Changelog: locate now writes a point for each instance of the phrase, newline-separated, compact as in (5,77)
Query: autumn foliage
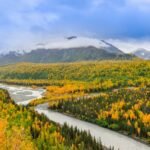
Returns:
(125,110)
(23,129)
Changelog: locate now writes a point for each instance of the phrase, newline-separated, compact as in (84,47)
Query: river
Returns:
(23,95)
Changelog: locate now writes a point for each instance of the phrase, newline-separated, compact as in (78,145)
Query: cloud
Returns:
(21,11)
(7,6)
(31,3)
(142,5)
(130,45)
(23,23)
(28,21)
(97,3)
(33,18)
(138,5)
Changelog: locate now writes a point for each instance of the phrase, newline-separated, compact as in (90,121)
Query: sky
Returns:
(124,23)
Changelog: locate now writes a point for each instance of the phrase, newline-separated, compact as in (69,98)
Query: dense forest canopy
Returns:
(118,72)
(125,110)
(22,128)
(112,94)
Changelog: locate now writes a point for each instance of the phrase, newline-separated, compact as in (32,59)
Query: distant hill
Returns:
(142,53)
(70,49)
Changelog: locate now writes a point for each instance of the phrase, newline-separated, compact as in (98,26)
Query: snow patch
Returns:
(143,54)
(62,43)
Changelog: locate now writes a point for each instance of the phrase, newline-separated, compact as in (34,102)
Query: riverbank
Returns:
(120,132)
(108,137)
(112,138)
(28,129)
(124,111)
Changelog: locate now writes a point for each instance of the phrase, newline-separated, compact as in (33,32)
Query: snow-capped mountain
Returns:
(67,49)
(142,53)
(73,42)
(77,42)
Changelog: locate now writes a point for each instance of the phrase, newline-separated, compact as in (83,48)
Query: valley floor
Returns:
(23,129)
(113,94)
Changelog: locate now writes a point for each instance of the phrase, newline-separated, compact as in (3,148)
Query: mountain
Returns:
(68,49)
(142,53)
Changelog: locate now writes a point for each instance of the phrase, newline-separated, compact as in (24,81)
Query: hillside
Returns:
(99,92)
(119,72)
(23,129)
(71,49)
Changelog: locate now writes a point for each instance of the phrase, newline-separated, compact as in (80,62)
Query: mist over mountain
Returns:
(142,53)
(70,49)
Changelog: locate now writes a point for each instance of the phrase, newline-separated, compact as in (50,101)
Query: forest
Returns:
(111,94)
(103,74)
(125,110)
(23,129)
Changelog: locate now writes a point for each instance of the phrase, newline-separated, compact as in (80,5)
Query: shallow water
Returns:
(108,137)
(23,95)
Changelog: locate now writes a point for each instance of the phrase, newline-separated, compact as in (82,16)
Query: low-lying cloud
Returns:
(130,45)
(26,22)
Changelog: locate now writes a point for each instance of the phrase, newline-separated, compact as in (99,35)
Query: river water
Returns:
(23,95)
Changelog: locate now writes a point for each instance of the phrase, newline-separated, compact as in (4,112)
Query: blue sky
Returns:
(24,22)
